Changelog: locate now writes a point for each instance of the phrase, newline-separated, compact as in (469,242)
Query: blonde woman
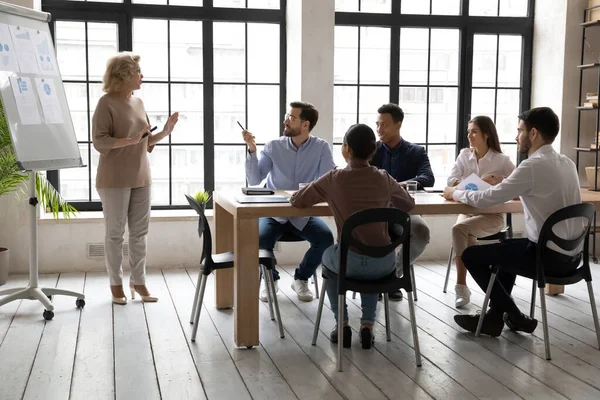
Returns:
(123,137)
(484,158)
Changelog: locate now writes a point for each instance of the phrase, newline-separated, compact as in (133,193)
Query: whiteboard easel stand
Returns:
(33,291)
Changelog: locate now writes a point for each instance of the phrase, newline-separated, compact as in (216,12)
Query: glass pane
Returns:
(484,60)
(506,114)
(514,8)
(229,3)
(414,48)
(443,67)
(265,4)
(188,100)
(230,172)
(95,94)
(344,110)
(159,163)
(346,5)
(230,107)
(375,55)
(414,7)
(195,3)
(345,53)
(76,94)
(263,53)
(338,159)
(509,61)
(443,114)
(369,100)
(186,51)
(413,101)
(156,101)
(264,120)
(70,49)
(187,172)
(102,44)
(442,160)
(150,42)
(376,6)
(74,182)
(229,52)
(482,102)
(445,7)
(147,1)
(511,151)
(487,8)
(94,170)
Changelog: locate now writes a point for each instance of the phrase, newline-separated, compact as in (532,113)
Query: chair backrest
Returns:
(369,216)
(203,230)
(583,210)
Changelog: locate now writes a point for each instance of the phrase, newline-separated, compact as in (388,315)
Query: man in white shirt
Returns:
(545,182)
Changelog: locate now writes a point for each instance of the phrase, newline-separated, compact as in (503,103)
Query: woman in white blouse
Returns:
(484,158)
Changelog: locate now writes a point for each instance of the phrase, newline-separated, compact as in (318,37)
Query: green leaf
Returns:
(202,197)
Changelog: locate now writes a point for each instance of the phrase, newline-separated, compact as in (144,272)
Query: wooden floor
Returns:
(142,351)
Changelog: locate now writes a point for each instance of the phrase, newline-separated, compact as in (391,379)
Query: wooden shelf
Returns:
(587,149)
(590,23)
(588,66)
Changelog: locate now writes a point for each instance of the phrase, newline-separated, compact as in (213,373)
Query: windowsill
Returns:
(96,216)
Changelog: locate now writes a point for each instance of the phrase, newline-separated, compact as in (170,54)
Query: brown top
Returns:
(126,167)
(357,187)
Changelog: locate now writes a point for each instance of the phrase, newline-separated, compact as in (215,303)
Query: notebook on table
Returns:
(261,199)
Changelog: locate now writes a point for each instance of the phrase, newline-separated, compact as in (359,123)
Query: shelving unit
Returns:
(584,111)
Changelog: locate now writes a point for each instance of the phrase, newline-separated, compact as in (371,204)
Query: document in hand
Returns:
(473,182)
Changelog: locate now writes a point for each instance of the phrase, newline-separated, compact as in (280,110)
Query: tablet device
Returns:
(250,191)
(262,199)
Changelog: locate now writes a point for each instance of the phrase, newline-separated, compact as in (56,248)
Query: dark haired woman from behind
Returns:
(357,187)
(484,158)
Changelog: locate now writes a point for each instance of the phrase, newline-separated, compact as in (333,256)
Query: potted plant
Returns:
(11,180)
(202,197)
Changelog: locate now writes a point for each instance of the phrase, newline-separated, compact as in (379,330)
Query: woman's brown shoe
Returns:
(118,294)
(142,290)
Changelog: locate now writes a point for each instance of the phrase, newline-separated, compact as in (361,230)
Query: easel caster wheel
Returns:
(80,303)
(249,347)
(48,315)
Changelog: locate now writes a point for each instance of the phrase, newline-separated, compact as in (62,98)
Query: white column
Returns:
(310,27)
(556,54)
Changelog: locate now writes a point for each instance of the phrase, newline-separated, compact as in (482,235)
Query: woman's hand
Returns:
(492,179)
(138,138)
(170,124)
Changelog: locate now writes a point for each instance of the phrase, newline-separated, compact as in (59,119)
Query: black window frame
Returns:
(468,27)
(123,15)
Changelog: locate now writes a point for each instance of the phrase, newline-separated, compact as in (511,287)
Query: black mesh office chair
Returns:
(583,272)
(385,285)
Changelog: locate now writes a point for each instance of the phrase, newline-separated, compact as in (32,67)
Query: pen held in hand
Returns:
(147,133)
(238,122)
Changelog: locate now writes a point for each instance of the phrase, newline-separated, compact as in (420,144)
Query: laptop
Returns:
(262,199)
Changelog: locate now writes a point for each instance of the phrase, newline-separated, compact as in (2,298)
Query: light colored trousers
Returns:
(419,238)
(469,227)
(129,206)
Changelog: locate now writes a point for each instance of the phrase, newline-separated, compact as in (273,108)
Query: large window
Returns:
(217,62)
(442,61)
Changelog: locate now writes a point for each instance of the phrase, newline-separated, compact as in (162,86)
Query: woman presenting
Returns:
(123,137)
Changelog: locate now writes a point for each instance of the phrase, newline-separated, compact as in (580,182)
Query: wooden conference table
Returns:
(236,229)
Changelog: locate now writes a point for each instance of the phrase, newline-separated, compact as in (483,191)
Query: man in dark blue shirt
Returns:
(404,161)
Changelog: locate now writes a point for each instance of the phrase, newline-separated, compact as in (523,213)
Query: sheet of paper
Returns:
(8,55)
(44,52)
(25,48)
(473,182)
(50,104)
(25,99)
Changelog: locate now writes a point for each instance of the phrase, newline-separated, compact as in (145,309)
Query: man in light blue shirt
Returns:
(294,158)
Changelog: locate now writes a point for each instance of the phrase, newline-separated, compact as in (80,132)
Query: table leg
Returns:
(246,282)
(223,221)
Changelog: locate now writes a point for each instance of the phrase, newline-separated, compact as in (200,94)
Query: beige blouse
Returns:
(125,167)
